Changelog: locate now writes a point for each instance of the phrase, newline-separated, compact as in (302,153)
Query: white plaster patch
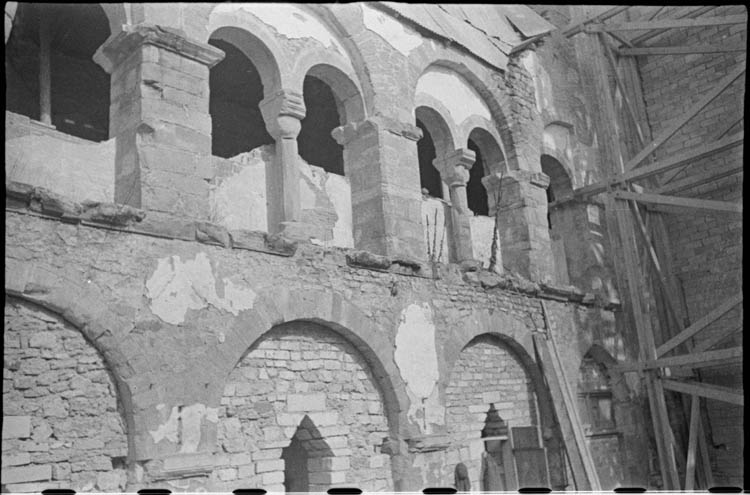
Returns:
(339,192)
(482,229)
(239,201)
(416,358)
(287,20)
(169,429)
(177,286)
(184,424)
(460,99)
(393,32)
(434,212)
(542,82)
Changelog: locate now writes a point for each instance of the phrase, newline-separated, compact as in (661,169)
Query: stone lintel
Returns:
(132,37)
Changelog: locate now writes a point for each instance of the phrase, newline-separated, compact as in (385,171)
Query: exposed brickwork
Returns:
(53,376)
(706,249)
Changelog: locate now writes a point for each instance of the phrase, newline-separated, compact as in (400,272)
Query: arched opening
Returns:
(560,218)
(50,74)
(316,145)
(308,460)
(429,177)
(491,399)
(236,91)
(476,194)
(59,392)
(597,405)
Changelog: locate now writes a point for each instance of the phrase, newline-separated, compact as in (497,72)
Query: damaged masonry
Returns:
(379,245)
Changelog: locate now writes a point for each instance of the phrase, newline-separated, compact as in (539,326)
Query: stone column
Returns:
(10,14)
(380,159)
(523,221)
(454,170)
(159,117)
(283,113)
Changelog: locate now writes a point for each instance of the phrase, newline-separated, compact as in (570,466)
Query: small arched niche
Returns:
(307,460)
(50,74)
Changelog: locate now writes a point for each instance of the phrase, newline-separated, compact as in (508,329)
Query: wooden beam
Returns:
(684,118)
(690,15)
(698,326)
(572,28)
(709,391)
(679,202)
(620,85)
(668,24)
(663,165)
(711,341)
(692,441)
(695,182)
(692,360)
(679,50)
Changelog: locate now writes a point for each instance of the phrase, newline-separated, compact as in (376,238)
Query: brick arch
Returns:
(456,63)
(336,71)
(83,307)
(332,311)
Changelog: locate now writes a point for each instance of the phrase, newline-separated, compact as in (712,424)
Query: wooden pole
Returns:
(45,72)
(693,438)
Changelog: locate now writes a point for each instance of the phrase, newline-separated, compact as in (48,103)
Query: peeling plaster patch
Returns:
(320,189)
(393,32)
(177,286)
(167,429)
(288,20)
(339,192)
(416,358)
(192,417)
(460,99)
(239,201)
(542,82)
(482,231)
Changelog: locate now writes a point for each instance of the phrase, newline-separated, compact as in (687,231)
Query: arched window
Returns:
(236,90)
(50,74)
(560,219)
(476,194)
(429,177)
(316,145)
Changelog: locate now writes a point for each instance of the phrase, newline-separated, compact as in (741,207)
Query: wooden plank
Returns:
(680,202)
(572,440)
(531,465)
(689,184)
(573,28)
(692,360)
(628,105)
(709,391)
(690,15)
(692,441)
(664,165)
(698,325)
(668,24)
(708,343)
(684,118)
(679,50)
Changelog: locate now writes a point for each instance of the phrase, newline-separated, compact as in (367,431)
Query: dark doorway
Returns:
(316,145)
(236,92)
(296,476)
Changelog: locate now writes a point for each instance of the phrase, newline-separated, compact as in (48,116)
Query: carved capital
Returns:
(132,37)
(454,167)
(283,113)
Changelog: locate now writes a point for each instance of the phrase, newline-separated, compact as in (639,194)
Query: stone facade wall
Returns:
(62,424)
(706,249)
(295,371)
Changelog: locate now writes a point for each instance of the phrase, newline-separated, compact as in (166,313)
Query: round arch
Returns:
(264,56)
(83,308)
(433,116)
(336,71)
(335,313)
(451,61)
(494,158)
(116,15)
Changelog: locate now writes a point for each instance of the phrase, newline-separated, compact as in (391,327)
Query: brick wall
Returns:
(297,370)
(61,424)
(706,249)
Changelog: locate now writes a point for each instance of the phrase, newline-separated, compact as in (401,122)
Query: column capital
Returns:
(454,167)
(345,133)
(132,37)
(283,112)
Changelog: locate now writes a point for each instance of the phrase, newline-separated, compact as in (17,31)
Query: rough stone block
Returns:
(16,459)
(32,487)
(306,402)
(273,478)
(269,465)
(16,427)
(26,474)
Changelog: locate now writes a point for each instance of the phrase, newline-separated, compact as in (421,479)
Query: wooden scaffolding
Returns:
(634,203)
